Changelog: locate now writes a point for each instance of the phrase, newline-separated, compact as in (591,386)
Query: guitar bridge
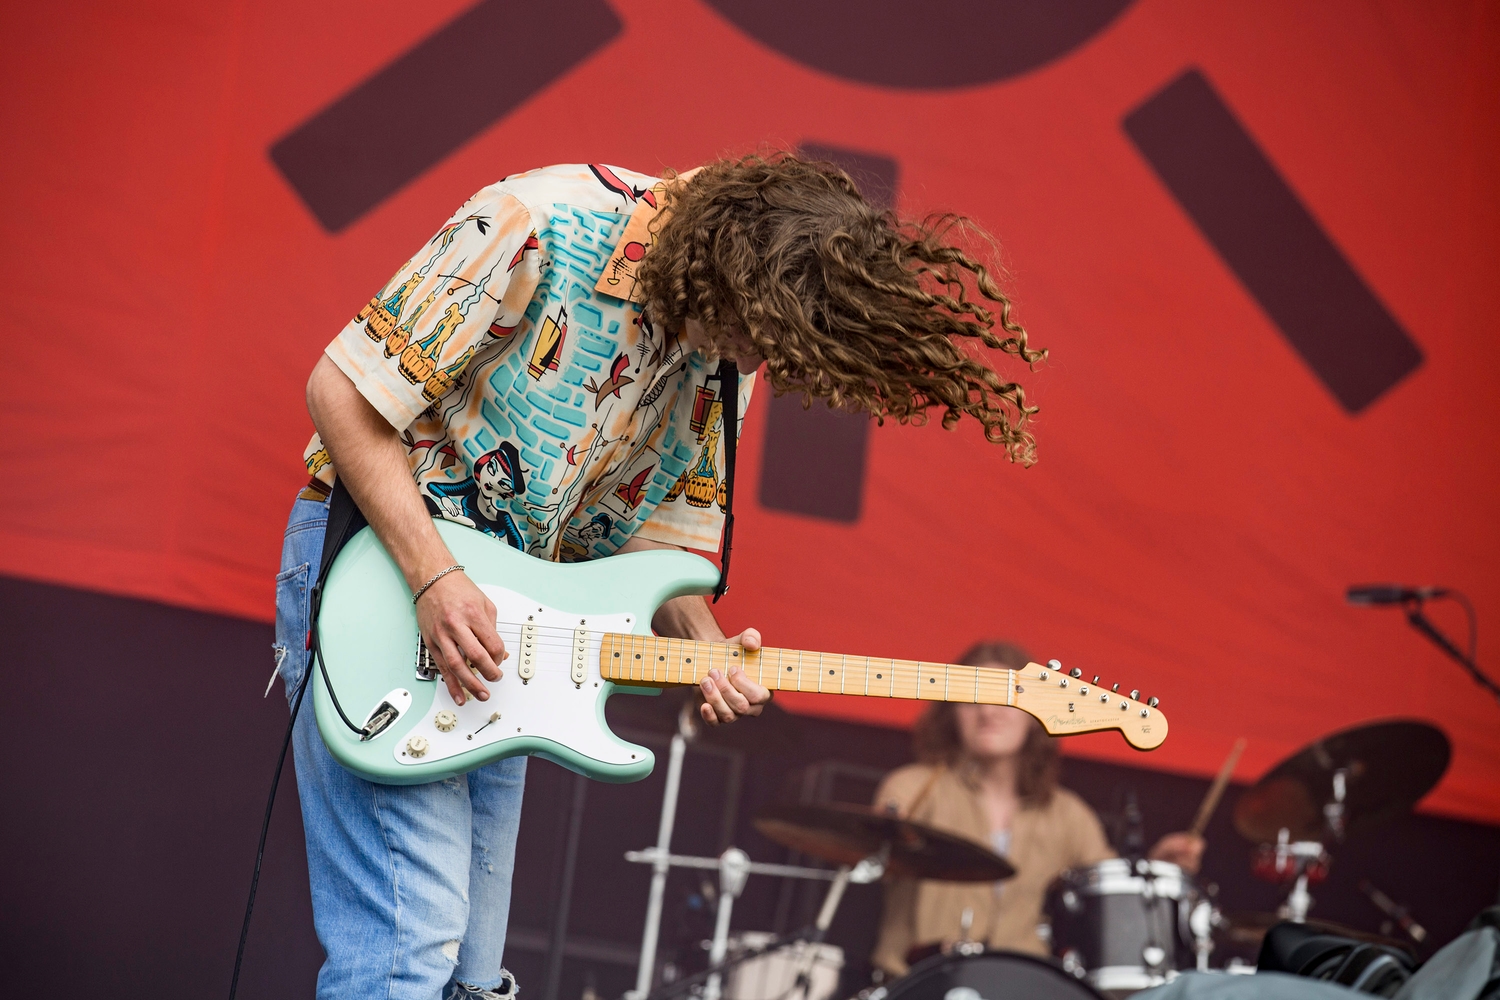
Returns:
(426,669)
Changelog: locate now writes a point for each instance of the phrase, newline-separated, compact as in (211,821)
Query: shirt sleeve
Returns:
(692,515)
(412,341)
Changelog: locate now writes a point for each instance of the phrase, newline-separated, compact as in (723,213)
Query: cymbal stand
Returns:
(660,863)
(870,869)
(1299,856)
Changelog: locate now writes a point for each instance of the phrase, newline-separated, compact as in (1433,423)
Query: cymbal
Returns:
(845,834)
(1389,767)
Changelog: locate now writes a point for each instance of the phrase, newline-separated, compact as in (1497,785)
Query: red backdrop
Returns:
(1201,499)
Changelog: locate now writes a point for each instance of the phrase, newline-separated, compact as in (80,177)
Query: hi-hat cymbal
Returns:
(1388,767)
(844,834)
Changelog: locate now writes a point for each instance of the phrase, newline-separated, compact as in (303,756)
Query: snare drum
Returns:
(989,975)
(1123,926)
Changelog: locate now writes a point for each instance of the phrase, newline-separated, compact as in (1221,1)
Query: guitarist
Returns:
(563,326)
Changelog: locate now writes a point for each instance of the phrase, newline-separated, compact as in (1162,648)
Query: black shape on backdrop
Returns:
(1261,229)
(432,99)
(934,44)
(814,460)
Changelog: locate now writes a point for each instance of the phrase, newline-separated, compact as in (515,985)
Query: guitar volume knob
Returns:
(445,721)
(416,746)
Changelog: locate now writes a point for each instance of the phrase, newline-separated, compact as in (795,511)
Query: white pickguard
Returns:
(549,706)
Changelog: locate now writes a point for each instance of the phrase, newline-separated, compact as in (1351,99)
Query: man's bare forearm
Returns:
(371,461)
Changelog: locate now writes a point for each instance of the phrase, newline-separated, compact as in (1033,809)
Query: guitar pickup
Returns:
(580,652)
(526,669)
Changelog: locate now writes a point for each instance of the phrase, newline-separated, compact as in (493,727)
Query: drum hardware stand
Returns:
(1297,856)
(735,868)
(659,859)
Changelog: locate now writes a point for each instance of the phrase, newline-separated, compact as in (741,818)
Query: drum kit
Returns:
(1130,923)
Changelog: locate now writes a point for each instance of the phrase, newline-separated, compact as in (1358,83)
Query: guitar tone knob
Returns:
(445,721)
(416,746)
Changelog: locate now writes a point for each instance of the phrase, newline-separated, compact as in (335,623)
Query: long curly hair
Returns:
(936,740)
(847,303)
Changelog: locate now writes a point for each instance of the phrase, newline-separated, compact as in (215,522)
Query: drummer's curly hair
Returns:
(936,739)
(847,303)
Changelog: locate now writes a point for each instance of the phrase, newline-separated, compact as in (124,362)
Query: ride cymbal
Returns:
(1387,767)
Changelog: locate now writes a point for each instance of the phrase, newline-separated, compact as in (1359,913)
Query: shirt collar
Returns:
(619,277)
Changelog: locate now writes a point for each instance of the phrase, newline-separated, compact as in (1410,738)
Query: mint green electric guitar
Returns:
(579,632)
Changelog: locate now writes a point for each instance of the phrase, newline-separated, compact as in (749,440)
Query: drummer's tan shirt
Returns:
(1045,840)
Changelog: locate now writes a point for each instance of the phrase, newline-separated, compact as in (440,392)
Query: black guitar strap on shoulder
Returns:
(728,377)
(344,520)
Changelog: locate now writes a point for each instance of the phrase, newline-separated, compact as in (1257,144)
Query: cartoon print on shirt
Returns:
(549,344)
(398,340)
(702,485)
(531,244)
(445,236)
(383,312)
(498,477)
(629,192)
(439,452)
(617,381)
(419,362)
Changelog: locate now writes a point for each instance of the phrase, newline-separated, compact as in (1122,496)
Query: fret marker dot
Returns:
(637,656)
(617,656)
(661,657)
(878,676)
(690,659)
(830,673)
(788,669)
(932,680)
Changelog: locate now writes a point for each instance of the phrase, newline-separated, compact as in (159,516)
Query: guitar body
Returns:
(552,617)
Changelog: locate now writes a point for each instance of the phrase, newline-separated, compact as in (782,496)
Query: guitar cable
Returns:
(265,828)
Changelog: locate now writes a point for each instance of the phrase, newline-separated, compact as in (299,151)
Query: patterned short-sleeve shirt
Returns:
(535,400)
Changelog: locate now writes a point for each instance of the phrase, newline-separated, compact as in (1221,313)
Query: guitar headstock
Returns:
(1065,702)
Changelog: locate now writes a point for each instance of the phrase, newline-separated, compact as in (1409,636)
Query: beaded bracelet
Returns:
(423,589)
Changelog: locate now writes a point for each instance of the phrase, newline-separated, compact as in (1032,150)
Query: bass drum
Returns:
(989,975)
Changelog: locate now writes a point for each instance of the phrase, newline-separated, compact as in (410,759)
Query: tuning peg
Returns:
(1152,701)
(1055,664)
(1096,678)
(1135,694)
(1116,689)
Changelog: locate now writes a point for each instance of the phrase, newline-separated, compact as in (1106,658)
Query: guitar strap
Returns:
(728,377)
(344,522)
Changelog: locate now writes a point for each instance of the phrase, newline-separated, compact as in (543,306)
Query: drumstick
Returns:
(1216,790)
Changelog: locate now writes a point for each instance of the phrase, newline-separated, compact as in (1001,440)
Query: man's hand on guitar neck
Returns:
(456,620)
(726,697)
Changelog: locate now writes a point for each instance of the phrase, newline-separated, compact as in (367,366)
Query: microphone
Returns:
(1371,594)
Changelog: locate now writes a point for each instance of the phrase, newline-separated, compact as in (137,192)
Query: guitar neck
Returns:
(657,661)
(1064,702)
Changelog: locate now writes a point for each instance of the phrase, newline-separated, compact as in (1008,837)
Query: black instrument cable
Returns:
(344,520)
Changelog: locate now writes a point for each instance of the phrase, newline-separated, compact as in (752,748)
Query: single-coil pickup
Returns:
(527,668)
(580,651)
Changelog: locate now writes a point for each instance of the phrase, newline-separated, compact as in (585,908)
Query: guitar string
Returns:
(559,637)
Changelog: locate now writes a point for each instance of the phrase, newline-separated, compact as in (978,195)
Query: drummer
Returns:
(989,773)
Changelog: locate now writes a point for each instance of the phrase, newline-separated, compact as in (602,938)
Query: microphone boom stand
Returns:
(1413,609)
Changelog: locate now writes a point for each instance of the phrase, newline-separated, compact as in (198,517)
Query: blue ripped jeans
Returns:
(410,883)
